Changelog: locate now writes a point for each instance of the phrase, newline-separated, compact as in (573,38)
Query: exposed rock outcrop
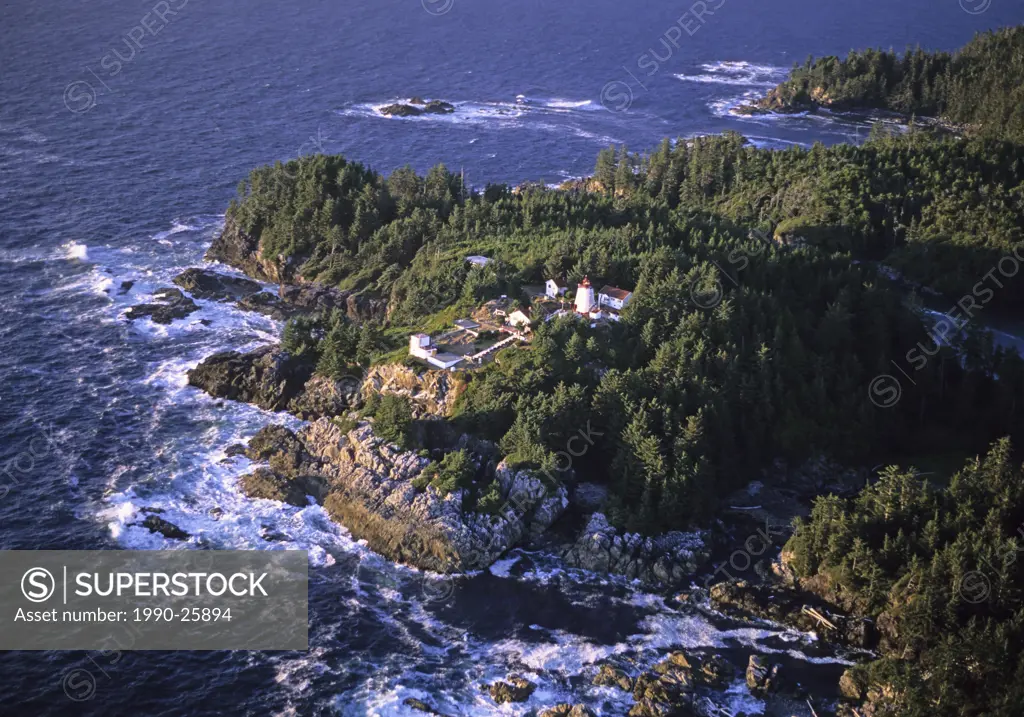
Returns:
(206,284)
(668,690)
(567,710)
(516,689)
(236,248)
(666,560)
(241,250)
(156,524)
(268,377)
(762,677)
(323,396)
(265,483)
(610,676)
(274,380)
(791,607)
(171,304)
(310,297)
(416,107)
(432,392)
(366,484)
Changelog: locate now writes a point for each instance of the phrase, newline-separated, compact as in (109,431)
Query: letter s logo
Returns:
(37,584)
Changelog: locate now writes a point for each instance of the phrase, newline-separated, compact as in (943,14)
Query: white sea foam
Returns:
(502,568)
(553,115)
(744,74)
(74,250)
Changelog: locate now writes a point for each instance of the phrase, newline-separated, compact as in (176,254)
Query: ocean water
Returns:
(124,129)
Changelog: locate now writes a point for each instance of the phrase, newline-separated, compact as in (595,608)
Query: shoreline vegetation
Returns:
(743,374)
(975,90)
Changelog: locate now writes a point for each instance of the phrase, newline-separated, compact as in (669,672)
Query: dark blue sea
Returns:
(125,128)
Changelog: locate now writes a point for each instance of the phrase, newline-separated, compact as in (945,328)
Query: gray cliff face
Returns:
(366,485)
(268,377)
(236,248)
(431,392)
(272,379)
(666,560)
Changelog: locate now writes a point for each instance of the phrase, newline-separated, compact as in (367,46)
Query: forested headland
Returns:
(693,399)
(771,290)
(979,88)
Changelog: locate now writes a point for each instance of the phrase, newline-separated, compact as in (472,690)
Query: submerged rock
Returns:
(516,689)
(422,706)
(666,560)
(236,449)
(171,304)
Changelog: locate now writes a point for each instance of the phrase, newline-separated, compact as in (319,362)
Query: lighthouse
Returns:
(584,297)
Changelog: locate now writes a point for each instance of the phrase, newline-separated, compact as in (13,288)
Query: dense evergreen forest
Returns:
(693,397)
(938,570)
(771,289)
(981,86)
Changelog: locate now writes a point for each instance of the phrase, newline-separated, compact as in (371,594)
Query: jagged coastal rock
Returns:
(669,688)
(267,377)
(794,608)
(431,392)
(515,689)
(416,106)
(325,396)
(567,710)
(206,284)
(171,304)
(666,560)
(236,248)
(274,380)
(310,297)
(366,484)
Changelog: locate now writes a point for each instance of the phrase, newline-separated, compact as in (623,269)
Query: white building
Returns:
(520,319)
(420,347)
(585,303)
(553,290)
(612,300)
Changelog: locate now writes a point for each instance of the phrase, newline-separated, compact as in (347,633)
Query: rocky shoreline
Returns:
(775,103)
(370,486)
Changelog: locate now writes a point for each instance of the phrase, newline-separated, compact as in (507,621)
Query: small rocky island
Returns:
(416,106)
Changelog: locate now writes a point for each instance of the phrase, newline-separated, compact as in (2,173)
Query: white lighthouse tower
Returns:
(584,297)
